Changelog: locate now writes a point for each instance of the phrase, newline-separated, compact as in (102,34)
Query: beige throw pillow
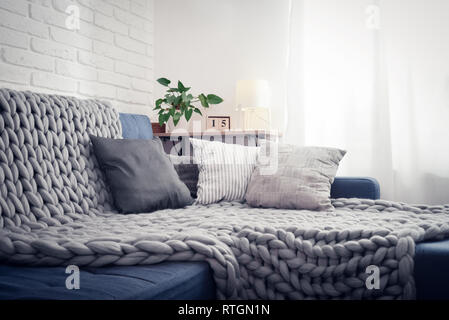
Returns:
(298,177)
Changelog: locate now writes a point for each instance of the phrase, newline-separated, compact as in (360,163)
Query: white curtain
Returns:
(372,77)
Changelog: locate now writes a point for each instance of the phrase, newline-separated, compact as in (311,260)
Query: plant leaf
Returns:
(171,99)
(177,101)
(184,97)
(164,81)
(213,99)
(203,100)
(188,114)
(176,118)
(197,111)
(182,88)
(158,104)
(161,119)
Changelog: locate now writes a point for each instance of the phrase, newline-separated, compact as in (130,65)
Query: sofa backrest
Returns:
(48,172)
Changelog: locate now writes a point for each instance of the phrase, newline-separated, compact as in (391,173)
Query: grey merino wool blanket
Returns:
(55,210)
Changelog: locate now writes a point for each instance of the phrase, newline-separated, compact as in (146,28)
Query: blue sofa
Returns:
(192,280)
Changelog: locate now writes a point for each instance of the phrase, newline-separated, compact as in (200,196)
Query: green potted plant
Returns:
(178,103)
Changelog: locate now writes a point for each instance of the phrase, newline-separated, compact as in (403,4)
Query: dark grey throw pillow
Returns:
(140,175)
(187,171)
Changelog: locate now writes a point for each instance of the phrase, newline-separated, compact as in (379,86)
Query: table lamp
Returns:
(253,103)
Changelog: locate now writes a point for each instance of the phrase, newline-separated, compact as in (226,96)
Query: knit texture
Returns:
(48,172)
(55,211)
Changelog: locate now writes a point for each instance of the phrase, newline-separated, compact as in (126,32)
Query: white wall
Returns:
(211,44)
(110,57)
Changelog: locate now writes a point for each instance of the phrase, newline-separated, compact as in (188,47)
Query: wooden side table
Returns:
(179,143)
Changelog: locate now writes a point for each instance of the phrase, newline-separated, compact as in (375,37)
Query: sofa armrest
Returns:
(364,188)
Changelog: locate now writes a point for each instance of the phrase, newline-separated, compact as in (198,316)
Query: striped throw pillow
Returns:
(224,170)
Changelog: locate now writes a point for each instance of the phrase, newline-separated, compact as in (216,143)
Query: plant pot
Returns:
(182,124)
(157,128)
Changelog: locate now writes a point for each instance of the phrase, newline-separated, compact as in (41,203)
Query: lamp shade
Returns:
(253,94)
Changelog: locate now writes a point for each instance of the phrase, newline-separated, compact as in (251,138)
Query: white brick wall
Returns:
(110,57)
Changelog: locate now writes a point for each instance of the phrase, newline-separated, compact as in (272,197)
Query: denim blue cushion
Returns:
(364,188)
(431,270)
(168,280)
(136,126)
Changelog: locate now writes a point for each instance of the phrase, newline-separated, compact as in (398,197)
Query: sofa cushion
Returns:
(187,171)
(302,178)
(166,281)
(355,187)
(136,126)
(224,170)
(140,175)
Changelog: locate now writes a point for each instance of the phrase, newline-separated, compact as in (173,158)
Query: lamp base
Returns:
(256,119)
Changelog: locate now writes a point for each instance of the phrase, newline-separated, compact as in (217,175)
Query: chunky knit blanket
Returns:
(55,209)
